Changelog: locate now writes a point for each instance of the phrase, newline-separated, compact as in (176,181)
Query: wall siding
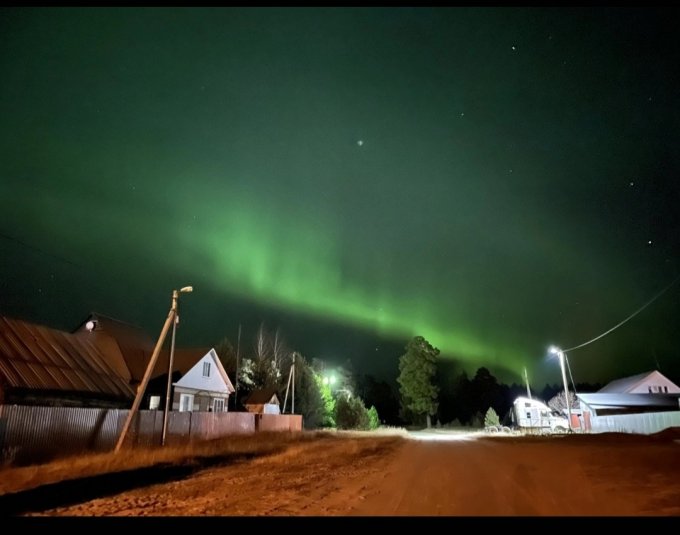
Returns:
(30,434)
(646,423)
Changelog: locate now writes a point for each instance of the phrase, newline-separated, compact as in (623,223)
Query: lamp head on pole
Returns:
(187,289)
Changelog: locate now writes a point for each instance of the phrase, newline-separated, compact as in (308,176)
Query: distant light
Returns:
(90,325)
(187,289)
(332,379)
(360,142)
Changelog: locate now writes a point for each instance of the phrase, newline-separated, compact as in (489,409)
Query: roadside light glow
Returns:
(325,380)
(332,379)
(90,325)
(554,350)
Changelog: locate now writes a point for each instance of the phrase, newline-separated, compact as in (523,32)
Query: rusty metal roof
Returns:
(115,337)
(40,358)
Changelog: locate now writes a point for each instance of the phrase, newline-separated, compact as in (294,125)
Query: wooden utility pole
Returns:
(171,319)
(147,375)
(291,378)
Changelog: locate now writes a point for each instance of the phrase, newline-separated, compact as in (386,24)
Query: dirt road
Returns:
(427,474)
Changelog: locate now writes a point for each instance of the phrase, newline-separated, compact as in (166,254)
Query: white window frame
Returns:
(217,401)
(183,398)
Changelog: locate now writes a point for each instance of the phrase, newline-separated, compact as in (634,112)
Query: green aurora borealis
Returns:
(490,179)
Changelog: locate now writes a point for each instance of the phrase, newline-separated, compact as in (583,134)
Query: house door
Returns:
(186,402)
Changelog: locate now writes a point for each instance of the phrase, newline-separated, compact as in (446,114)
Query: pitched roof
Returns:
(117,337)
(627,384)
(41,358)
(261,396)
(133,343)
(188,379)
(182,361)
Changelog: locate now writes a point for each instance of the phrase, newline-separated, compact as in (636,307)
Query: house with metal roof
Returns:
(44,366)
(602,404)
(644,403)
(653,382)
(115,337)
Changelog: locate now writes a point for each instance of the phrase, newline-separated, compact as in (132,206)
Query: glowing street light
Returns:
(557,351)
(329,380)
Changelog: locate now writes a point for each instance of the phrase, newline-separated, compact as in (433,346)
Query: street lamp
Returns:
(329,380)
(175,299)
(557,351)
(172,318)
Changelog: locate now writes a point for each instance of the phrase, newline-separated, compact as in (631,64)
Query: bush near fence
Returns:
(31,434)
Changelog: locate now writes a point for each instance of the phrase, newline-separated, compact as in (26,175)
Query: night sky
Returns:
(497,180)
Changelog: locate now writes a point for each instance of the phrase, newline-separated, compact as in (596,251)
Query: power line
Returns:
(627,319)
(37,249)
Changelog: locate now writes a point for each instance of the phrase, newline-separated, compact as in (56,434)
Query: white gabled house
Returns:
(653,382)
(204,388)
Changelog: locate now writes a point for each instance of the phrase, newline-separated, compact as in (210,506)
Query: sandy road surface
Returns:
(581,475)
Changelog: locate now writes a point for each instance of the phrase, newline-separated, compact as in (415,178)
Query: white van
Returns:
(536,415)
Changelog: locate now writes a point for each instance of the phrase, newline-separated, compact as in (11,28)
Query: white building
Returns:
(205,387)
(644,383)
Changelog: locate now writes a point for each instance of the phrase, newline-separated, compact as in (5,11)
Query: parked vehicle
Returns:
(532,414)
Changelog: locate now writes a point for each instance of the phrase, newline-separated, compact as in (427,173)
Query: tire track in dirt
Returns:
(296,481)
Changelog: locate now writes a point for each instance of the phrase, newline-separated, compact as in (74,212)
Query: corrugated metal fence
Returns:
(37,434)
(646,423)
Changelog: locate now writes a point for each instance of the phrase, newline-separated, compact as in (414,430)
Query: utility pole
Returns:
(238,350)
(172,315)
(293,400)
(166,409)
(147,375)
(566,392)
(291,376)
(526,380)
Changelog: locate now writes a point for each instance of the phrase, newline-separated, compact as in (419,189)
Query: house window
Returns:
(206,369)
(529,415)
(665,390)
(650,389)
(218,405)
(186,402)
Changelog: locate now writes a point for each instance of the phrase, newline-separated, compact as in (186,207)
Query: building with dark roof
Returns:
(44,366)
(263,401)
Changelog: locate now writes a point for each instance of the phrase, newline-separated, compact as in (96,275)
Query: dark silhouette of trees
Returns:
(381,395)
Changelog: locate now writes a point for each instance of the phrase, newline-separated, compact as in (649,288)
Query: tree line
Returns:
(429,390)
